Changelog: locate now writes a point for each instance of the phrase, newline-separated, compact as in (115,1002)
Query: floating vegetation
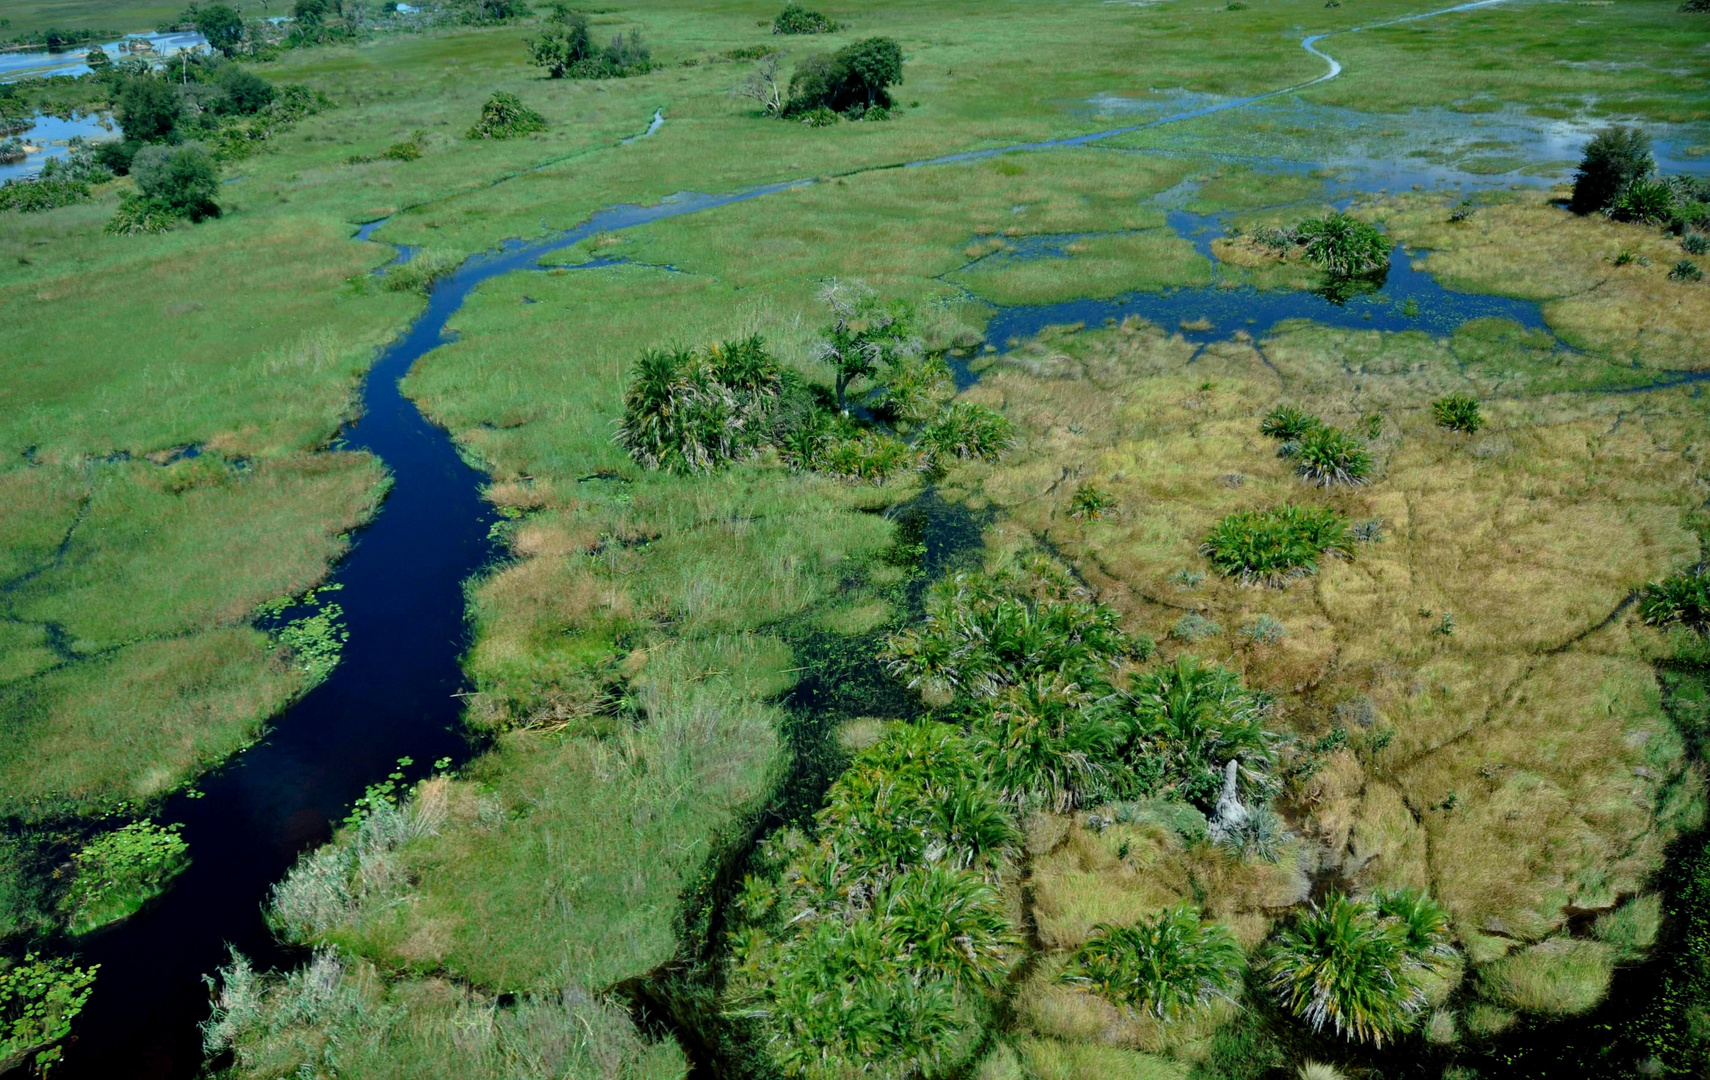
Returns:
(316,641)
(119,872)
(39,998)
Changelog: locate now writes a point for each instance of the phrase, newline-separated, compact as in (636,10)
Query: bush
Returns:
(695,410)
(1695,243)
(1275,546)
(35,196)
(1343,246)
(1042,747)
(1696,5)
(966,431)
(246,93)
(864,454)
(180,180)
(1613,160)
(148,109)
(39,998)
(820,117)
(795,19)
(118,872)
(504,116)
(1681,598)
(564,43)
(1287,423)
(1686,270)
(1168,966)
(1354,967)
(1327,455)
(855,78)
(138,214)
(1458,412)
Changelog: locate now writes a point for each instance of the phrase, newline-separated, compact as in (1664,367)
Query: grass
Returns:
(1560,977)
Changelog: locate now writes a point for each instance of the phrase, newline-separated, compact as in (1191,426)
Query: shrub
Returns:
(985,632)
(1613,160)
(1042,747)
(1185,721)
(118,872)
(966,431)
(795,19)
(137,215)
(1287,423)
(693,411)
(1327,455)
(39,998)
(35,196)
(563,44)
(1168,966)
(1694,243)
(1369,532)
(865,334)
(504,116)
(820,117)
(181,180)
(1194,627)
(1644,199)
(1279,240)
(1458,412)
(1275,546)
(856,77)
(1348,967)
(1683,597)
(1686,270)
(409,150)
(1091,502)
(1343,246)
(1263,630)
(1696,5)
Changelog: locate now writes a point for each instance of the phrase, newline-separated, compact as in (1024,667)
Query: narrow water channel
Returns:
(393,694)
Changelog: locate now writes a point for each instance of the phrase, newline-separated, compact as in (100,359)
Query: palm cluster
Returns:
(1343,246)
(692,410)
(1274,546)
(1683,597)
(1355,966)
(1322,454)
(1170,965)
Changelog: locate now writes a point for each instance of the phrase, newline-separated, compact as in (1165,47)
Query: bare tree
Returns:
(763,84)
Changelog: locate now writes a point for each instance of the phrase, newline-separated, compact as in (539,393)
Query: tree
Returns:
(564,42)
(871,66)
(312,13)
(762,85)
(246,92)
(148,109)
(863,334)
(222,26)
(181,179)
(1614,159)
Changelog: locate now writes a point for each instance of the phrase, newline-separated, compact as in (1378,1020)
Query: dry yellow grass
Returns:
(1529,767)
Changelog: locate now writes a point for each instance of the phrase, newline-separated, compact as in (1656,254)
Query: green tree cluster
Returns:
(854,81)
(565,50)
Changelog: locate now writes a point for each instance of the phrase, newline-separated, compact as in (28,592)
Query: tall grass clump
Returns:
(1682,598)
(1170,965)
(1328,455)
(1273,547)
(1458,412)
(1355,967)
(693,410)
(504,116)
(421,271)
(1343,246)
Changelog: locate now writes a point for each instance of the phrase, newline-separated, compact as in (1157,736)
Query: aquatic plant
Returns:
(1184,723)
(1287,423)
(1169,965)
(118,872)
(1327,455)
(1681,598)
(1458,412)
(1347,967)
(795,19)
(985,632)
(504,116)
(1343,246)
(1614,159)
(39,998)
(1275,546)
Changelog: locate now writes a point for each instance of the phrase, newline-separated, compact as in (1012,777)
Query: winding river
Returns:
(394,693)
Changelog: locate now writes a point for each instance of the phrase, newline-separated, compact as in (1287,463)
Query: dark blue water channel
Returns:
(392,695)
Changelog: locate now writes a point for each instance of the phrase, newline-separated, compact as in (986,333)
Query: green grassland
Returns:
(631,659)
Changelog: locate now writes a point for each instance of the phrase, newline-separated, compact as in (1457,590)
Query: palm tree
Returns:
(1196,718)
(1169,965)
(1041,744)
(1347,967)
